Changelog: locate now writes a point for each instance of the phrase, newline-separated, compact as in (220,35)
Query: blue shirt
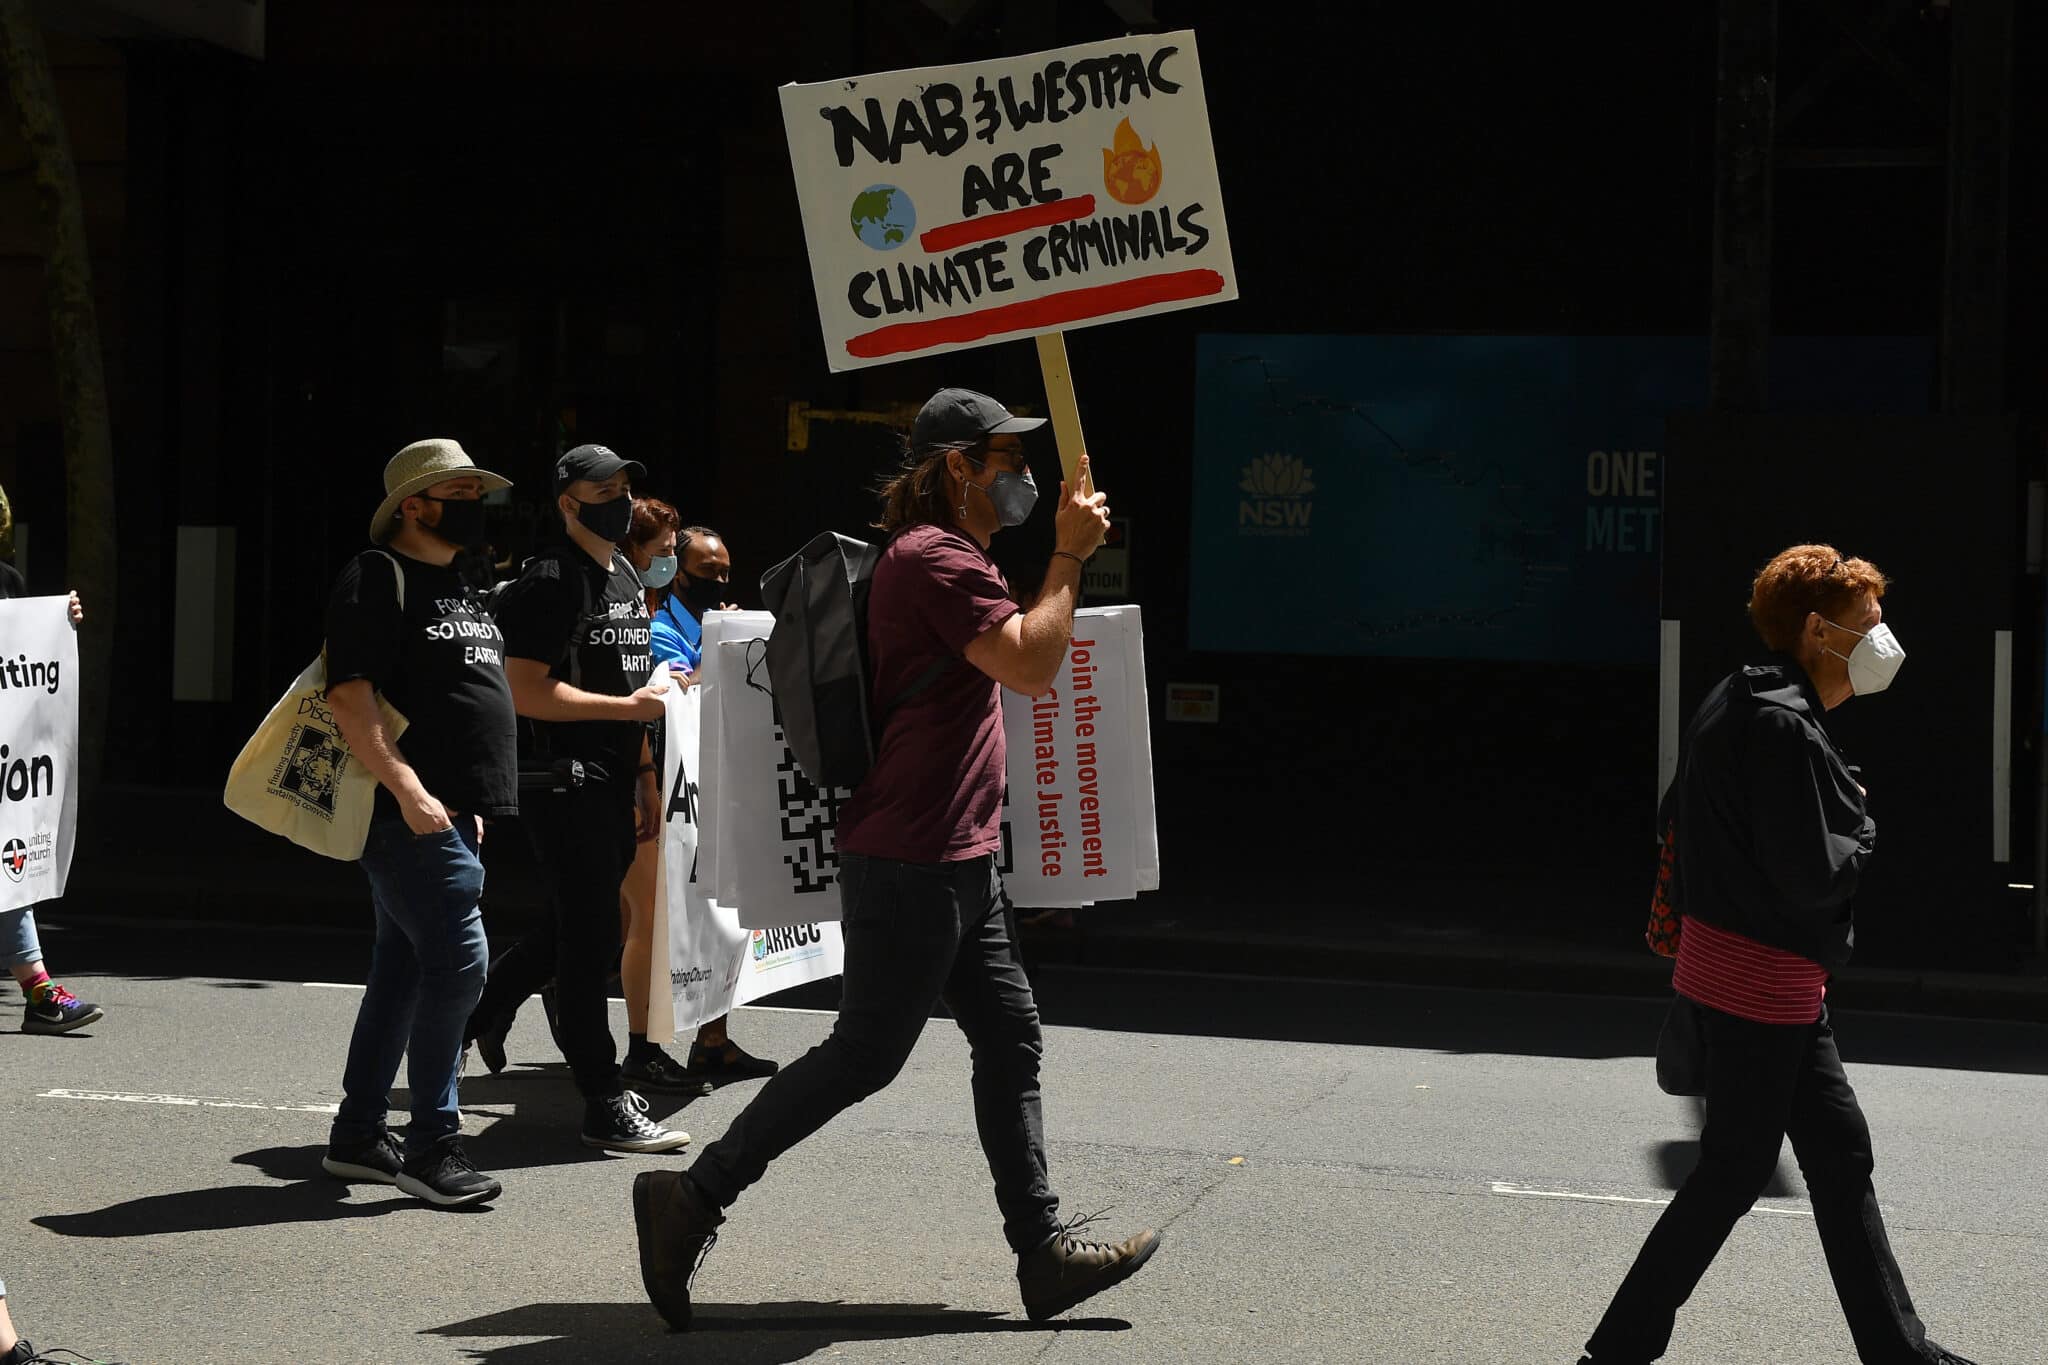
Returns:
(678,636)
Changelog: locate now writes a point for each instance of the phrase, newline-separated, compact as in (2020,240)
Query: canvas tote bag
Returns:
(296,776)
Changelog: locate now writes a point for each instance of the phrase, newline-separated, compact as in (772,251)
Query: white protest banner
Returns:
(714,963)
(38,749)
(1080,814)
(777,834)
(718,627)
(779,862)
(949,207)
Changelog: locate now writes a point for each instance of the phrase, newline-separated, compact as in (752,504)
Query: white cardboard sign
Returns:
(38,749)
(954,206)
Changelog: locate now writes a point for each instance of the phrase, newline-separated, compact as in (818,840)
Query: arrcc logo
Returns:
(14,859)
(1275,497)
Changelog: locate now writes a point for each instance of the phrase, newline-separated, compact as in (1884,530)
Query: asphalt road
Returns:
(1343,1173)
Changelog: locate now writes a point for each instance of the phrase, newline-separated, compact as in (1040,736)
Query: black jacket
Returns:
(1772,831)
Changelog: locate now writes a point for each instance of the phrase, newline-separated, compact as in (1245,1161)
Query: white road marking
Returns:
(185,1101)
(1504,1187)
(334,985)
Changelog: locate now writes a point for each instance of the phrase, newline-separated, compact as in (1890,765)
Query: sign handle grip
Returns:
(1060,401)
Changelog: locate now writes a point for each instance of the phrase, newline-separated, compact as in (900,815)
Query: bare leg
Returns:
(636,920)
(25,972)
(7,1336)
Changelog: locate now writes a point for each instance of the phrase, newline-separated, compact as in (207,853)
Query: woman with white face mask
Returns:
(1772,836)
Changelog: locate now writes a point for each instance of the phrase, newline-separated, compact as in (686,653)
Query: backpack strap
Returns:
(397,576)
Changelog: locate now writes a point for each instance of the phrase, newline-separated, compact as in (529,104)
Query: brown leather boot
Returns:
(677,1227)
(1067,1270)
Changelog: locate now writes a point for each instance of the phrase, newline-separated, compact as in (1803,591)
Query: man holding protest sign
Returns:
(925,916)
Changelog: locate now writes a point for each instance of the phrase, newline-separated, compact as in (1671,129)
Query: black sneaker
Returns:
(443,1175)
(52,1009)
(677,1228)
(374,1161)
(620,1124)
(659,1073)
(728,1063)
(1067,1270)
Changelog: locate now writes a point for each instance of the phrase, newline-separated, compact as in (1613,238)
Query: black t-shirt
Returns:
(440,660)
(590,627)
(11,582)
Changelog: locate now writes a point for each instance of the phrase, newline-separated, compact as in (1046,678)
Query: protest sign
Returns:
(714,963)
(38,749)
(1079,811)
(949,207)
(776,833)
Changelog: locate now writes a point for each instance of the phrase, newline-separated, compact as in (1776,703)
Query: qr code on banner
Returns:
(809,815)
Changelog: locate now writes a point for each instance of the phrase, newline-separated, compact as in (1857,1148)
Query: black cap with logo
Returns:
(595,463)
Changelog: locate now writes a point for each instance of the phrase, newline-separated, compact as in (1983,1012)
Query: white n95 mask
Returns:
(1874,662)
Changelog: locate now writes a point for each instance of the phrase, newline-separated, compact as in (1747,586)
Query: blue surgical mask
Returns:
(660,572)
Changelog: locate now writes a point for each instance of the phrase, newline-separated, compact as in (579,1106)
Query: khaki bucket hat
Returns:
(419,467)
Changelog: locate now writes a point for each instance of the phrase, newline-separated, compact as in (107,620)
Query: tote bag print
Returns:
(296,777)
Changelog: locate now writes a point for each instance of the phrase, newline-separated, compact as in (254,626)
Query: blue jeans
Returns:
(426,971)
(18,943)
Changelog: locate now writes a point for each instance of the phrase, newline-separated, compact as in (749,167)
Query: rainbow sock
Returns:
(30,987)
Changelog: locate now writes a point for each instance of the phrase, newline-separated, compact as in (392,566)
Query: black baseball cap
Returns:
(595,463)
(960,417)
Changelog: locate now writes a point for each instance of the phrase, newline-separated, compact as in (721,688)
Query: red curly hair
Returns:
(1808,578)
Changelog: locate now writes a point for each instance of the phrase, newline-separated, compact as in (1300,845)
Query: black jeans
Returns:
(584,841)
(1765,1082)
(916,933)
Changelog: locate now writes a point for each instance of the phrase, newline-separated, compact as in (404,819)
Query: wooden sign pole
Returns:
(1066,413)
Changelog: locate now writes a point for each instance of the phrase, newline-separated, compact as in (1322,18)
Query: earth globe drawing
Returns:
(883,217)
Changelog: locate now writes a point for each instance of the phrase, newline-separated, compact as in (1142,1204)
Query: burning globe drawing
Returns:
(883,217)
(1130,170)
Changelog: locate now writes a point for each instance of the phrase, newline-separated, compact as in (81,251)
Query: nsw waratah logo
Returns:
(1274,496)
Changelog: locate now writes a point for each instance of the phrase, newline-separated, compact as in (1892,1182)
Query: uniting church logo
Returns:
(1274,496)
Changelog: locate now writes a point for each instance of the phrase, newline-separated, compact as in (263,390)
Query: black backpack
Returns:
(817,658)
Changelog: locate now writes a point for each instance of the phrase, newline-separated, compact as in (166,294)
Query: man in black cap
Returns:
(578,656)
(925,916)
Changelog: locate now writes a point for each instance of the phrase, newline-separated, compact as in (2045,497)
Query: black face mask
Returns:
(462,521)
(607,520)
(703,595)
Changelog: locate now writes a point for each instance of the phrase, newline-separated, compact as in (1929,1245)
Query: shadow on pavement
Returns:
(306,1194)
(1434,1017)
(745,1334)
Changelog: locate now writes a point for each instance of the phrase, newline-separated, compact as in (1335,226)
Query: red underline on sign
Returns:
(1003,224)
(1036,315)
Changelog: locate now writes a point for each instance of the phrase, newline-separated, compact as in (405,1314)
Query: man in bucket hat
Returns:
(924,913)
(405,622)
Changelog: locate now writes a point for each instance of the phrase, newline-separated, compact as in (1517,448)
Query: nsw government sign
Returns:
(955,206)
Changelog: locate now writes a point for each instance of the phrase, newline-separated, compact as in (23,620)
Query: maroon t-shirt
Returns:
(935,794)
